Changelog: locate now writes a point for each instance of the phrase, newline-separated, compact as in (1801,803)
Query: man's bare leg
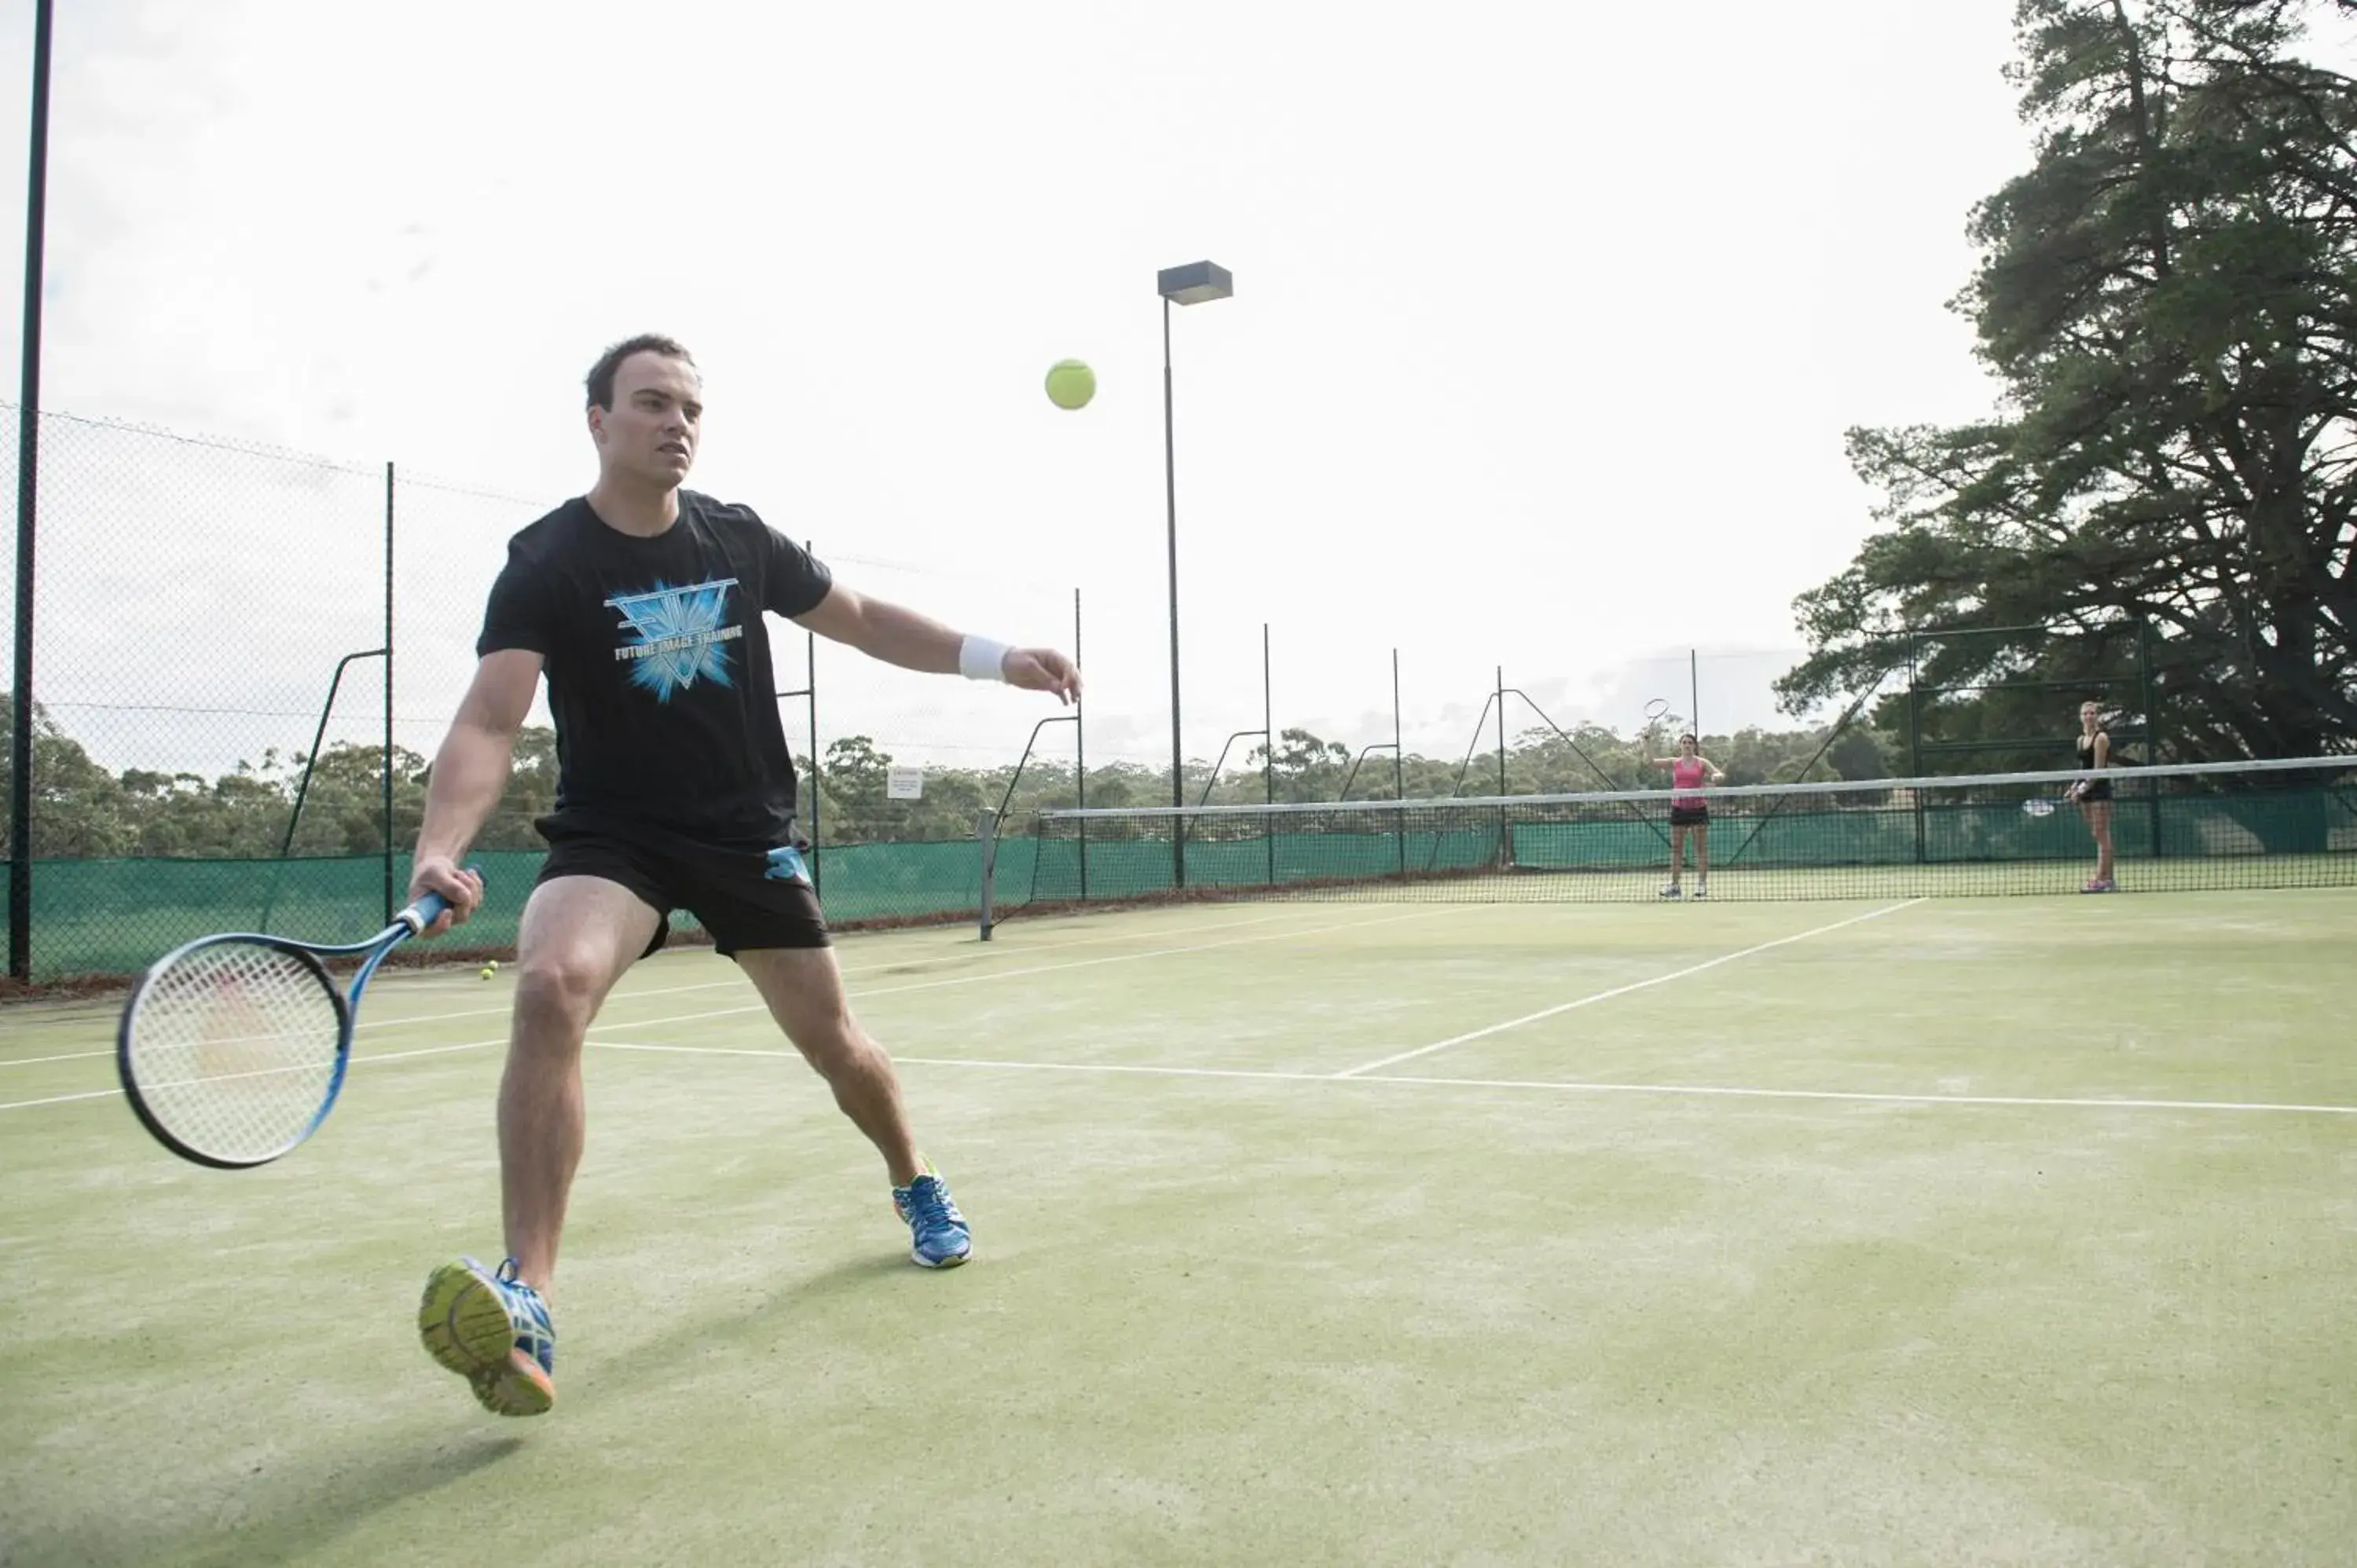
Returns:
(803,989)
(579,935)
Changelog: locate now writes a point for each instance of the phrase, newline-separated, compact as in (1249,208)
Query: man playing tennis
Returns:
(642,603)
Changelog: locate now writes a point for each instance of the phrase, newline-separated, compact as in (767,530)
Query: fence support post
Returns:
(986,833)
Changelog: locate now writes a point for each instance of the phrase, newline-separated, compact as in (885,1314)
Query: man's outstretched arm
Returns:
(913,642)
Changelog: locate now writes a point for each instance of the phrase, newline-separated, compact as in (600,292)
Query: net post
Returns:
(985,834)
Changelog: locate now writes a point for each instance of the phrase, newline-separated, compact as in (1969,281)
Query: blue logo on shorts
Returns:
(786,866)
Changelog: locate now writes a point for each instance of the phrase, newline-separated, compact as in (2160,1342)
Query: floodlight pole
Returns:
(1170,497)
(1189,284)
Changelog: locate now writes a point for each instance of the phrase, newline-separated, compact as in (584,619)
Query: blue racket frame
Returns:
(410,923)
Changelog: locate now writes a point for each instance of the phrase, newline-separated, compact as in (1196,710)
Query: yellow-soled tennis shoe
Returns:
(493,1329)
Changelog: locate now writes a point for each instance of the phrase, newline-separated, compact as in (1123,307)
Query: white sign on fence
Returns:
(905,784)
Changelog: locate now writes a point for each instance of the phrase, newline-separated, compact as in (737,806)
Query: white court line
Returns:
(738,979)
(1131,1069)
(63,1099)
(1059,968)
(116,1093)
(1715,1092)
(856,995)
(735,980)
(1562,1007)
(1870,1097)
(703,1050)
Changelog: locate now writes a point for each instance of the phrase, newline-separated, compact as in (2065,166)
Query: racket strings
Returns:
(234,1047)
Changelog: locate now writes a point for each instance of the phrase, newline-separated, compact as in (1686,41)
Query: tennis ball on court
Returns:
(1071,385)
(490,970)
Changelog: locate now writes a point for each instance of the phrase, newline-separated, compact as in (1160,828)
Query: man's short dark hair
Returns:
(601,379)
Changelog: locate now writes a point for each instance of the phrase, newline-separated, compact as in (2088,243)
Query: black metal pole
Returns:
(318,738)
(389,889)
(1399,768)
(1267,754)
(1915,741)
(1212,779)
(1506,833)
(303,787)
(2151,731)
(1171,496)
(28,415)
(1502,730)
(1080,753)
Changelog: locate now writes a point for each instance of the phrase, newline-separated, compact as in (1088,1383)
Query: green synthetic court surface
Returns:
(1948,1231)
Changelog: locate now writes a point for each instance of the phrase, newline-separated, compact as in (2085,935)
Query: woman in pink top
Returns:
(1689,813)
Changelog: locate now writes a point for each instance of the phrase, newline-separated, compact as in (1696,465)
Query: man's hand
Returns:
(1043,670)
(440,874)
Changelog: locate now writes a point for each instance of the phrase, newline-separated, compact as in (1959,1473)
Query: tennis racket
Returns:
(232,1048)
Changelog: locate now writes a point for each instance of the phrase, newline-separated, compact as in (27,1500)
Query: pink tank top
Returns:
(1686,773)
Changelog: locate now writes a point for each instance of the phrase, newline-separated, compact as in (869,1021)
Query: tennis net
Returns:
(2265,824)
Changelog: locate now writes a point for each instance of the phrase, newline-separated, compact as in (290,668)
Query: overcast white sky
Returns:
(1548,320)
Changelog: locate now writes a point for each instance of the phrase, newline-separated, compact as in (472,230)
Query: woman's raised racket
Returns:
(232,1048)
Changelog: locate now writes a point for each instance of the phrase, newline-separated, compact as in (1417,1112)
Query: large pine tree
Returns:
(2168,295)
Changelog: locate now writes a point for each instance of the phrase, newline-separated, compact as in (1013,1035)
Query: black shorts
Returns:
(744,897)
(1689,816)
(2095,789)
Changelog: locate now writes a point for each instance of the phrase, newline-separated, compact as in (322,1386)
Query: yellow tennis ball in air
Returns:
(1070,383)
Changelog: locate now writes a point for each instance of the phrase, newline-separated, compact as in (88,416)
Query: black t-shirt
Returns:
(658,666)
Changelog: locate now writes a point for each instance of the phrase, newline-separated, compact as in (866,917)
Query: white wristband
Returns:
(983,659)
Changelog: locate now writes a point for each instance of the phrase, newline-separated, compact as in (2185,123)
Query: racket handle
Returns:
(429,908)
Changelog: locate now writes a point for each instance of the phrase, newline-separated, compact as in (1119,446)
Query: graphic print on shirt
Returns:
(680,636)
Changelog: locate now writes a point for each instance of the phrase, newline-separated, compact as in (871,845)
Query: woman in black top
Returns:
(2095,795)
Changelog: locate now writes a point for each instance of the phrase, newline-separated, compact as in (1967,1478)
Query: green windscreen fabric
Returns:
(112,917)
